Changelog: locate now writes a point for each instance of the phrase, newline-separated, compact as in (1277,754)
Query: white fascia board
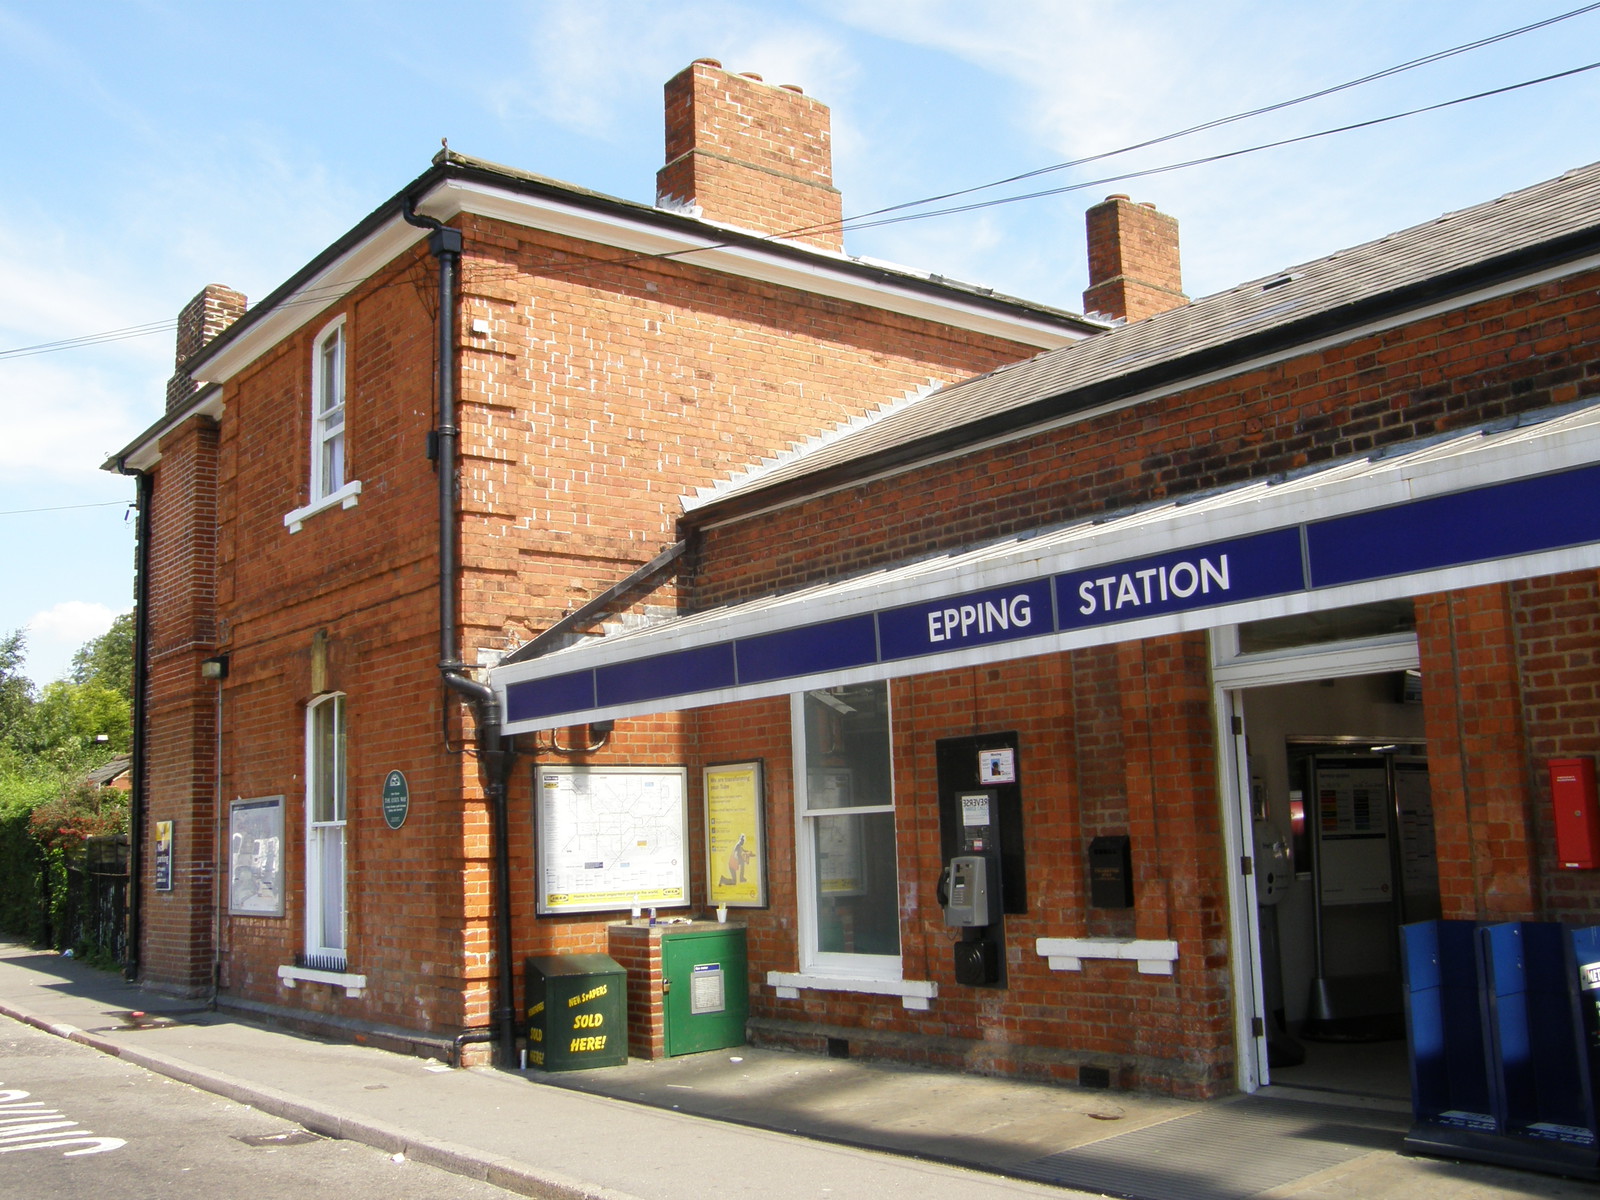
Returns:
(1468,462)
(312,298)
(817,274)
(146,452)
(453,197)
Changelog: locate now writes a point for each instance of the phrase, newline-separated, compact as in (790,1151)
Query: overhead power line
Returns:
(1222,156)
(1218,122)
(332,289)
(864,221)
(17,512)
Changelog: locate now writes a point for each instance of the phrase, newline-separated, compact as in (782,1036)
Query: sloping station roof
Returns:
(1460,503)
(1471,508)
(1329,299)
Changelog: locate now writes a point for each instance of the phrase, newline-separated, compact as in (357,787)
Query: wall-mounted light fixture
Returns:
(214,668)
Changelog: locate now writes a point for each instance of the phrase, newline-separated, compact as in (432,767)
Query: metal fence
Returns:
(92,916)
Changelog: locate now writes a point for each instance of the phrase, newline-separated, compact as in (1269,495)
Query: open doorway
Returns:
(1330,792)
(1338,772)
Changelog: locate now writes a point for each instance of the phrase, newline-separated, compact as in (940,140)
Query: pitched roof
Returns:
(1448,257)
(109,772)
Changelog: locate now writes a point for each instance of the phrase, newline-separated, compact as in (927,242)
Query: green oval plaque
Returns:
(396,799)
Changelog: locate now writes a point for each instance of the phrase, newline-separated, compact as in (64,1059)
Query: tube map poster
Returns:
(611,838)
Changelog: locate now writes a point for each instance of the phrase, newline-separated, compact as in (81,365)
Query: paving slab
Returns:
(753,1121)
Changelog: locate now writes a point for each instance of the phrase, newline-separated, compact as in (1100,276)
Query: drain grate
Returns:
(1221,1153)
(289,1137)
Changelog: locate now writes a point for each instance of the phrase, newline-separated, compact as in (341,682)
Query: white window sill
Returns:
(913,993)
(345,497)
(1067,954)
(353,985)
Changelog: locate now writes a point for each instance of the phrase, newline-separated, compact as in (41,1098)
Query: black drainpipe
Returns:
(141,675)
(496,753)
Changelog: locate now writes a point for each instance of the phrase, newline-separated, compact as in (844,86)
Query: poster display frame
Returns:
(734,801)
(264,863)
(592,884)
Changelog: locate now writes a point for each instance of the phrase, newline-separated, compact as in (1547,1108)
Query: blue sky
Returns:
(156,146)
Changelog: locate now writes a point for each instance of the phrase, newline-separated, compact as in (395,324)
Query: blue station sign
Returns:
(1499,521)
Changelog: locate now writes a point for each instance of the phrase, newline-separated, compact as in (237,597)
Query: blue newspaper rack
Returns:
(1505,1043)
(1450,1093)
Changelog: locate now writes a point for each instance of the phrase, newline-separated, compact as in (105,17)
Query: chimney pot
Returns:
(1134,268)
(742,152)
(200,321)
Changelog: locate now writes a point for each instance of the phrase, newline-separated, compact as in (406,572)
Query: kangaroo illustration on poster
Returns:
(738,858)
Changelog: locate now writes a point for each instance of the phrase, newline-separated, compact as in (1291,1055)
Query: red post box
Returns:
(1577,813)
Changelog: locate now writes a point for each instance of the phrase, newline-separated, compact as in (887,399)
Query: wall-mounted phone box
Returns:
(969,892)
(1577,813)
(1111,872)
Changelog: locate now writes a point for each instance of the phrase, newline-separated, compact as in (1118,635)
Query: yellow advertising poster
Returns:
(163,862)
(736,872)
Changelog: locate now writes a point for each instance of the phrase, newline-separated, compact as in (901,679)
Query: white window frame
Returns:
(829,964)
(326,835)
(325,437)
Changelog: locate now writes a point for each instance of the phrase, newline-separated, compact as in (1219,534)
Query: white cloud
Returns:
(59,632)
(64,419)
(73,619)
(591,66)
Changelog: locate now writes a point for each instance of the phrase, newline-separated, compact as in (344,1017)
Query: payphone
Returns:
(984,872)
(966,902)
(969,889)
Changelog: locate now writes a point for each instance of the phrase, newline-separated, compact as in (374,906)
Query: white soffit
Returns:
(818,273)
(308,301)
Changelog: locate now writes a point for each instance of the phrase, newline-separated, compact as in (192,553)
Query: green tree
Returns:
(76,723)
(108,659)
(48,808)
(16,690)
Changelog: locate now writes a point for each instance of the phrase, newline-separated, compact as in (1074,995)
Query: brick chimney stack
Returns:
(202,319)
(745,153)
(1134,270)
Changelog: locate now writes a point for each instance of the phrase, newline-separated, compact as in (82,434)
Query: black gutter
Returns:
(496,754)
(1169,374)
(545,642)
(141,676)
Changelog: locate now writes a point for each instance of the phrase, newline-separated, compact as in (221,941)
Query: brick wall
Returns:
(1557,629)
(603,394)
(180,781)
(1510,681)
(1088,765)
(598,397)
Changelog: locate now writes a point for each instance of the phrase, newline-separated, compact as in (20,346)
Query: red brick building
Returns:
(1182,664)
(469,417)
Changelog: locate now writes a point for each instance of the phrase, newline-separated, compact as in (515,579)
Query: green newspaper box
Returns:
(577,1008)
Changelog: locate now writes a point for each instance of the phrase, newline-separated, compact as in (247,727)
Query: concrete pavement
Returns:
(752,1122)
